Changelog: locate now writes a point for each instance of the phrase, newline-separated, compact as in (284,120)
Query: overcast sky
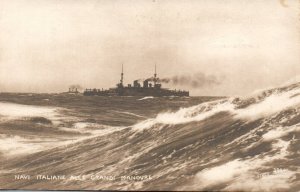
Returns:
(47,45)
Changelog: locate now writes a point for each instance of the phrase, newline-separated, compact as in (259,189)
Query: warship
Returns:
(150,87)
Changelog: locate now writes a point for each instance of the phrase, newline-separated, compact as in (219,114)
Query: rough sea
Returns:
(73,142)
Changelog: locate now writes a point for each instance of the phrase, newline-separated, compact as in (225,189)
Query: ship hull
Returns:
(137,91)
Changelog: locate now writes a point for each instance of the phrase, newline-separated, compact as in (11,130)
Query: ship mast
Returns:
(122,75)
(155,75)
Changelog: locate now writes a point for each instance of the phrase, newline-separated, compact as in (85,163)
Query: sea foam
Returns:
(272,104)
(19,110)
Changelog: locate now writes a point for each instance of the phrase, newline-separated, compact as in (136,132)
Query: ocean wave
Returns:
(145,98)
(128,113)
(231,144)
(17,145)
(269,105)
(187,115)
(13,110)
(250,174)
(280,132)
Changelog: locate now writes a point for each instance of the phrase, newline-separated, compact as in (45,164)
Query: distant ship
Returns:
(151,87)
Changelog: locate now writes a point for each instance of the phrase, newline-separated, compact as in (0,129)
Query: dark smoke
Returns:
(196,80)
(78,87)
(150,79)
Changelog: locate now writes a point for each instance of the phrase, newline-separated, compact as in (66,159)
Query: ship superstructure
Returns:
(150,87)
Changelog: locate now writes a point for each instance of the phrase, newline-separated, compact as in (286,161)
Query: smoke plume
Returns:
(78,87)
(196,80)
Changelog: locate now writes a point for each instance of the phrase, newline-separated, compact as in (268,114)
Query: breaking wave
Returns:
(277,112)
(260,106)
(232,144)
(145,98)
(18,110)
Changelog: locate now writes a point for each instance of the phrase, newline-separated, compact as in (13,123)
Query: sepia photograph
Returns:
(150,95)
